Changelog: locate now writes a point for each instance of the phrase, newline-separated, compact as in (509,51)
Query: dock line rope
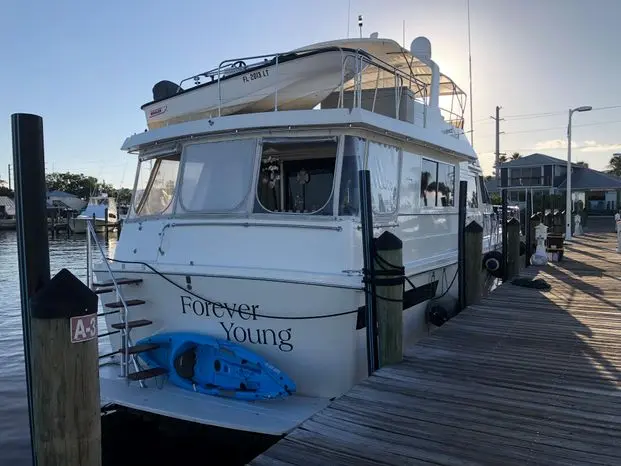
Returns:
(224,306)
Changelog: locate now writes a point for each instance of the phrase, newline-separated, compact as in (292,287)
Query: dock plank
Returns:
(525,376)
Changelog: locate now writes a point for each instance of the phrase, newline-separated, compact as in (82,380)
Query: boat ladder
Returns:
(128,350)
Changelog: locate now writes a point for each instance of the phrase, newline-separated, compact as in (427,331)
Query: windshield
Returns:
(217,176)
(155,186)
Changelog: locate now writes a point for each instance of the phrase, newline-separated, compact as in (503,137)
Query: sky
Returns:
(87,67)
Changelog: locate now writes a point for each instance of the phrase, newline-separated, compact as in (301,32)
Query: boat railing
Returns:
(91,237)
(373,80)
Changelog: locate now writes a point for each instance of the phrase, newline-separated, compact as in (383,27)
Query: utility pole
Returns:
(498,133)
(10,178)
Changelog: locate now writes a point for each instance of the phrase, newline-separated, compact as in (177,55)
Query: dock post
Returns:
(513,249)
(618,227)
(106,222)
(528,214)
(461,245)
(505,242)
(62,377)
(366,220)
(389,281)
(472,262)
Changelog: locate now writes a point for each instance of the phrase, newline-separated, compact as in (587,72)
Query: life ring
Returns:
(492,262)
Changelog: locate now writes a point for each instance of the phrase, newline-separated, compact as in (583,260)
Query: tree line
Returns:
(79,185)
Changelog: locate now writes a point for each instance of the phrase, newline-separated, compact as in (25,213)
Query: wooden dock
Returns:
(525,377)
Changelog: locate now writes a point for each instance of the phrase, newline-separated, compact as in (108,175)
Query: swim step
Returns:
(132,324)
(120,281)
(129,302)
(147,373)
(140,348)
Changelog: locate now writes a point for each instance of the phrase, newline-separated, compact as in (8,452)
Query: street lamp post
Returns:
(568,203)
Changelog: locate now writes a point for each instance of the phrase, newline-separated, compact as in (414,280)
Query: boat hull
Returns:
(297,84)
(78,225)
(213,366)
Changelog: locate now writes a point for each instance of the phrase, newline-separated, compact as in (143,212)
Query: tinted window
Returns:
(428,182)
(409,194)
(383,164)
(446,185)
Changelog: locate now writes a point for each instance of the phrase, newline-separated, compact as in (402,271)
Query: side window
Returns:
(485,198)
(383,164)
(353,156)
(446,185)
(428,182)
(410,183)
(472,201)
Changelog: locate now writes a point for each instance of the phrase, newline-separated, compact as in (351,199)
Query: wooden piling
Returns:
(472,262)
(513,249)
(62,373)
(389,292)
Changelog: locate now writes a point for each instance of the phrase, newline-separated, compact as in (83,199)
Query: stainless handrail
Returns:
(126,339)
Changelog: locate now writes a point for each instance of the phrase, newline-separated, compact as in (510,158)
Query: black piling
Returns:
(366,219)
(505,243)
(32,236)
(461,244)
(62,366)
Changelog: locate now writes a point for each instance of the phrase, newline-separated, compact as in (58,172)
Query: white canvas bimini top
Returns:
(391,53)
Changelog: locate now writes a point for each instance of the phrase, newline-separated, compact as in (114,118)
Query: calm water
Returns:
(69,253)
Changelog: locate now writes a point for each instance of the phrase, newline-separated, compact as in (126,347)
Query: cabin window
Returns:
(217,176)
(446,185)
(297,176)
(383,164)
(428,182)
(155,186)
(409,194)
(437,185)
(353,156)
(472,201)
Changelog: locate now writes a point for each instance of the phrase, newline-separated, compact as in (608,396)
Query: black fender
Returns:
(492,262)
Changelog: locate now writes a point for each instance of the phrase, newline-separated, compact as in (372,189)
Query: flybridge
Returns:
(373,74)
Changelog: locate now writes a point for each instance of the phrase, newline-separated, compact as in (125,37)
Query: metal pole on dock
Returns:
(504,234)
(366,220)
(59,323)
(461,244)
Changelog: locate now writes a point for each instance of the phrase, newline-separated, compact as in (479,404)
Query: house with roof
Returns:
(543,175)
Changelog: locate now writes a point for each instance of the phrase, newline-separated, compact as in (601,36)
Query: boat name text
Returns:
(234,332)
(255,75)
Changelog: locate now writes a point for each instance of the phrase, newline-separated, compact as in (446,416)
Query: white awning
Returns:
(392,54)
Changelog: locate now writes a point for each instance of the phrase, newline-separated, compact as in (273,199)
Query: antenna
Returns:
(470,77)
(348,16)
(360,24)
(403,33)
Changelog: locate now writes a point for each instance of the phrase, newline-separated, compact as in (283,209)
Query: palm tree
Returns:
(515,156)
(583,164)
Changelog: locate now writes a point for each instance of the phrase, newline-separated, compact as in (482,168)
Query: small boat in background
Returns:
(292,81)
(214,366)
(7,214)
(103,208)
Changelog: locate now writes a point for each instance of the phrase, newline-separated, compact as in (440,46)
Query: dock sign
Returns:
(83,328)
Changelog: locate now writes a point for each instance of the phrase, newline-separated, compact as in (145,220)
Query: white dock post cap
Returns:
(421,48)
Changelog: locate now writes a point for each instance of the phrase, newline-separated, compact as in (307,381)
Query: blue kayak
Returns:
(214,366)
